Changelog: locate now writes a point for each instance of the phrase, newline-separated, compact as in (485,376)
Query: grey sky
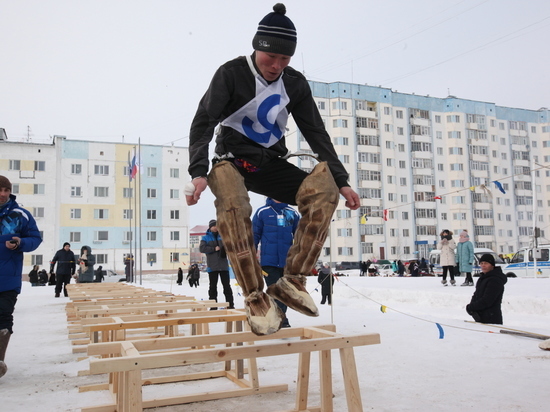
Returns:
(103,69)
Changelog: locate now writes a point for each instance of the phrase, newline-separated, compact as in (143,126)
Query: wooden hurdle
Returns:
(124,362)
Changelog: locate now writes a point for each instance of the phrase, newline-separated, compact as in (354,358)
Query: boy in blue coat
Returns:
(274,226)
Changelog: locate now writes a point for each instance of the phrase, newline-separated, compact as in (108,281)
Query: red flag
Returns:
(385,214)
(437,197)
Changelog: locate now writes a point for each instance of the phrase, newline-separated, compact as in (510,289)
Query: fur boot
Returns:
(4,339)
(233,220)
(317,200)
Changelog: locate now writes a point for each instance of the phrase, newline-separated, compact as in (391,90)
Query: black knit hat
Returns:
(212,223)
(487,258)
(276,33)
(5,182)
(66,244)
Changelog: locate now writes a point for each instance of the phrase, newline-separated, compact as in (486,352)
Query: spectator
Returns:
(42,277)
(485,306)
(447,257)
(99,274)
(218,266)
(180,276)
(86,261)
(33,275)
(326,279)
(66,266)
(274,226)
(194,275)
(465,257)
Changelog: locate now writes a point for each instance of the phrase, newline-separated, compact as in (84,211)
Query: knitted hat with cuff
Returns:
(276,33)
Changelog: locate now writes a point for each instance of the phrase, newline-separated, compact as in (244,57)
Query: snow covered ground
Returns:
(472,368)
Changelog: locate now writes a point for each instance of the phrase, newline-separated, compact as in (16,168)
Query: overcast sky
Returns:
(104,69)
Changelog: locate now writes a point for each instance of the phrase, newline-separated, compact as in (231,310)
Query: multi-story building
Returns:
(81,192)
(422,164)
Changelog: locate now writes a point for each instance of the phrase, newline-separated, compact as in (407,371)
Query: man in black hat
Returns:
(485,306)
(18,234)
(218,266)
(66,266)
(248,102)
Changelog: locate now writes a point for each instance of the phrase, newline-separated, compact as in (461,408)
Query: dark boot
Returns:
(4,339)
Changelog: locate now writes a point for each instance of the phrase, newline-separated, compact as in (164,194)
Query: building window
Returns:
(15,165)
(76,169)
(175,235)
(127,214)
(399,114)
(151,193)
(39,166)
(101,170)
(151,172)
(76,213)
(101,213)
(100,235)
(151,214)
(127,192)
(345,251)
(175,173)
(174,257)
(345,232)
(101,259)
(174,194)
(37,260)
(74,237)
(38,212)
(39,189)
(128,236)
(437,118)
(101,191)
(151,236)
(321,105)
(174,214)
(152,257)
(15,188)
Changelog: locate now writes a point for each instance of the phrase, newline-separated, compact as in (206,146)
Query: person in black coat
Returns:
(33,275)
(326,279)
(485,306)
(180,276)
(66,266)
(99,274)
(42,278)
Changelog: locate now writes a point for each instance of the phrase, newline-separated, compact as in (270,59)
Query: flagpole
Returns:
(140,228)
(130,211)
(136,188)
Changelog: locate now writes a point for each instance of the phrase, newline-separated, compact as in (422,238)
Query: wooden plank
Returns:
(351,381)
(302,384)
(151,361)
(325,378)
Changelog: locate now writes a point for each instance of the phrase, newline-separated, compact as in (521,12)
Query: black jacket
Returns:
(231,88)
(325,279)
(487,299)
(33,276)
(66,262)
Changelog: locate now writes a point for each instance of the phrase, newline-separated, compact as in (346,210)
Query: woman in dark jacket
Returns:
(485,306)
(326,279)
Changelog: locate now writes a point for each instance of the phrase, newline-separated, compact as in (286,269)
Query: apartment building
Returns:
(81,192)
(423,164)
